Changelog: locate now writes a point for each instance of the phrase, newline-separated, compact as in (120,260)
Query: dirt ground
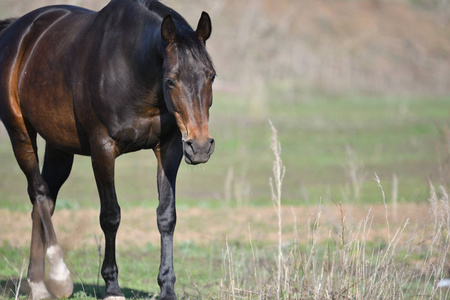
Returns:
(80,228)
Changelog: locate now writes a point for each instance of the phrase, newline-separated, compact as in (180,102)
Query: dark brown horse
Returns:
(132,76)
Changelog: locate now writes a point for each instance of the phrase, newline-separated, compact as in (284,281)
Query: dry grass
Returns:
(443,153)
(348,265)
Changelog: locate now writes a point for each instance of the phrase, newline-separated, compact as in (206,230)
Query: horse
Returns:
(131,76)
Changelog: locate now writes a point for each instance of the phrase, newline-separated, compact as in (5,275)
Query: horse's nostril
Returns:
(190,146)
(211,146)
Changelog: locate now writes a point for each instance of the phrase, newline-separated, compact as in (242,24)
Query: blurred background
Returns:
(353,87)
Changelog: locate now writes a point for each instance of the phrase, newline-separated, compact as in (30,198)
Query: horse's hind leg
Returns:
(25,150)
(23,140)
(56,169)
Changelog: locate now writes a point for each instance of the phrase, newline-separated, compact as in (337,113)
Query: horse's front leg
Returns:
(169,157)
(103,154)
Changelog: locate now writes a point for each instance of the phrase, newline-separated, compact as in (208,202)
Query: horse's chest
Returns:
(143,133)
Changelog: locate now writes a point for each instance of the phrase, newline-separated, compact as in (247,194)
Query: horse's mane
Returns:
(5,23)
(186,37)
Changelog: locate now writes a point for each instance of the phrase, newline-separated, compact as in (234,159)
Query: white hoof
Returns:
(39,291)
(114,298)
(61,289)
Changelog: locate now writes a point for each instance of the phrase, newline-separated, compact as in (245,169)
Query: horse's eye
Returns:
(212,77)
(170,83)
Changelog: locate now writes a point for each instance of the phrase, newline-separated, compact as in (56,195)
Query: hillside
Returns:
(382,47)
(369,46)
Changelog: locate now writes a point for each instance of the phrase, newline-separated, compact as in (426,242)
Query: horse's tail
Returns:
(5,23)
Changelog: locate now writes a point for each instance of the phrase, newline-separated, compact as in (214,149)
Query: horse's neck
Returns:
(140,45)
(150,62)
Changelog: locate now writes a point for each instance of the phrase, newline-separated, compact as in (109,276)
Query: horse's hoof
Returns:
(61,289)
(114,298)
(168,296)
(38,291)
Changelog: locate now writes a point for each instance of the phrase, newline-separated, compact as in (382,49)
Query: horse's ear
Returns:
(168,30)
(204,27)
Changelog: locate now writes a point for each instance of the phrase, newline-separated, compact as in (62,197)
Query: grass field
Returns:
(325,141)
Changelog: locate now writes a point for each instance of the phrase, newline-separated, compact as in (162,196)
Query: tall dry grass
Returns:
(443,154)
(348,264)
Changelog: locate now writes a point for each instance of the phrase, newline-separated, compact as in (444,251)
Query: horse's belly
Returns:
(48,107)
(54,123)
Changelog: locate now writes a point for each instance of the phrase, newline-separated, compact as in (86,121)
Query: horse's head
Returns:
(188,78)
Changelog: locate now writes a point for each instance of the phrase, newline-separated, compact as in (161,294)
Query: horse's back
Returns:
(19,36)
(35,51)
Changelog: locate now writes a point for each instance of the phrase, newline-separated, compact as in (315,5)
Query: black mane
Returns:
(186,37)
(5,23)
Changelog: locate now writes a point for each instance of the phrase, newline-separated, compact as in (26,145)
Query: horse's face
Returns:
(187,85)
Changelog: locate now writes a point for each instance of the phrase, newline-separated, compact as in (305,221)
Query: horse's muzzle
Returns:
(196,153)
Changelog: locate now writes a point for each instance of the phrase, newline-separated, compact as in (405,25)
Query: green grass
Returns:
(387,136)
(196,266)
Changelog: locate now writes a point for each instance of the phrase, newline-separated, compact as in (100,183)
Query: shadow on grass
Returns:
(9,287)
